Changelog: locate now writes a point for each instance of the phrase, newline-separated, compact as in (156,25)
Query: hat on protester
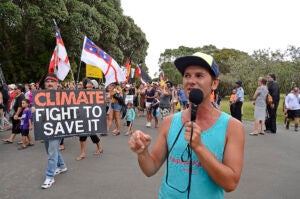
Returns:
(51,76)
(32,83)
(239,82)
(198,59)
(12,86)
(127,86)
(95,83)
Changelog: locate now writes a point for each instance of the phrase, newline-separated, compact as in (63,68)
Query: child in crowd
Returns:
(130,116)
(26,124)
(155,108)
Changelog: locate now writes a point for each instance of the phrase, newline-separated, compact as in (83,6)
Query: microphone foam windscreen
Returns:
(196,96)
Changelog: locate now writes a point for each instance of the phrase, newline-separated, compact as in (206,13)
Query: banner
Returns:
(65,113)
(93,71)
(128,98)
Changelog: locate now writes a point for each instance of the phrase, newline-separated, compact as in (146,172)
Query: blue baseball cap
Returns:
(239,82)
(198,59)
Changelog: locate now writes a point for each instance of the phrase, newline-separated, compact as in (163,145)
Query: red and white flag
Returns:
(53,63)
(59,62)
(138,72)
(128,66)
(93,55)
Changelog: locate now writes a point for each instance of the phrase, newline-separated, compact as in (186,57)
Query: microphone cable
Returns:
(189,159)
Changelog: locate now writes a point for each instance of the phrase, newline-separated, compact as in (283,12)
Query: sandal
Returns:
(127,133)
(98,152)
(262,133)
(30,144)
(7,141)
(253,133)
(80,158)
(116,133)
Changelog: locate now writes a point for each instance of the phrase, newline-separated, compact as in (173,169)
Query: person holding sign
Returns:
(56,163)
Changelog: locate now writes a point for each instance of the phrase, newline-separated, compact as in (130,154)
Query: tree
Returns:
(27,34)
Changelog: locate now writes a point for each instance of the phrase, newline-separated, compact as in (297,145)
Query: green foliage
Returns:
(237,65)
(27,34)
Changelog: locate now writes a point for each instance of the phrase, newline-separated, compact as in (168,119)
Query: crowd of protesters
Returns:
(152,101)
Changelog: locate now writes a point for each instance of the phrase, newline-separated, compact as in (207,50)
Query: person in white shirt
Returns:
(293,107)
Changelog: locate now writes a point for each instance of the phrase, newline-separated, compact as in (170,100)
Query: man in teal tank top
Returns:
(204,157)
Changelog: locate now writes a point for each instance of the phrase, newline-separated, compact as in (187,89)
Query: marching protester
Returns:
(204,157)
(130,116)
(155,108)
(116,95)
(165,101)
(141,98)
(182,98)
(16,113)
(26,125)
(56,163)
(88,84)
(4,98)
(150,91)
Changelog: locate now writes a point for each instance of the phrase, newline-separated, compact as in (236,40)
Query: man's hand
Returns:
(139,142)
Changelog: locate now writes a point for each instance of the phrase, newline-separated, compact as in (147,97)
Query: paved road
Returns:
(271,170)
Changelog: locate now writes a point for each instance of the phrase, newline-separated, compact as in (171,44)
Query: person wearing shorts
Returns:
(293,107)
(115,106)
(17,113)
(26,124)
(150,91)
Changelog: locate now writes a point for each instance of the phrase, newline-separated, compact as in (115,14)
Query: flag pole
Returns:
(77,81)
(56,55)
(72,74)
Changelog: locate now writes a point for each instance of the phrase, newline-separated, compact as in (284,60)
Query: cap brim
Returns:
(182,62)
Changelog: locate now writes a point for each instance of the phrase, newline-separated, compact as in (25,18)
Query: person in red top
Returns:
(12,95)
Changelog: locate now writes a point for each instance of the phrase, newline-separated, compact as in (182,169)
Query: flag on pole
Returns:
(127,66)
(93,71)
(132,72)
(162,79)
(93,55)
(53,62)
(59,62)
(138,72)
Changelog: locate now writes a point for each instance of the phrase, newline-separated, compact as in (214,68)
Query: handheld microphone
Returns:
(195,97)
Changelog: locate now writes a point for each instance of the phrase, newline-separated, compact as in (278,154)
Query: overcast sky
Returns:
(240,24)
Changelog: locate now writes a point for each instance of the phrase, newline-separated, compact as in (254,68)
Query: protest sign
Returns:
(129,98)
(64,113)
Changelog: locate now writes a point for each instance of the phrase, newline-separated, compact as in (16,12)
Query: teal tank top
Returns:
(202,186)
